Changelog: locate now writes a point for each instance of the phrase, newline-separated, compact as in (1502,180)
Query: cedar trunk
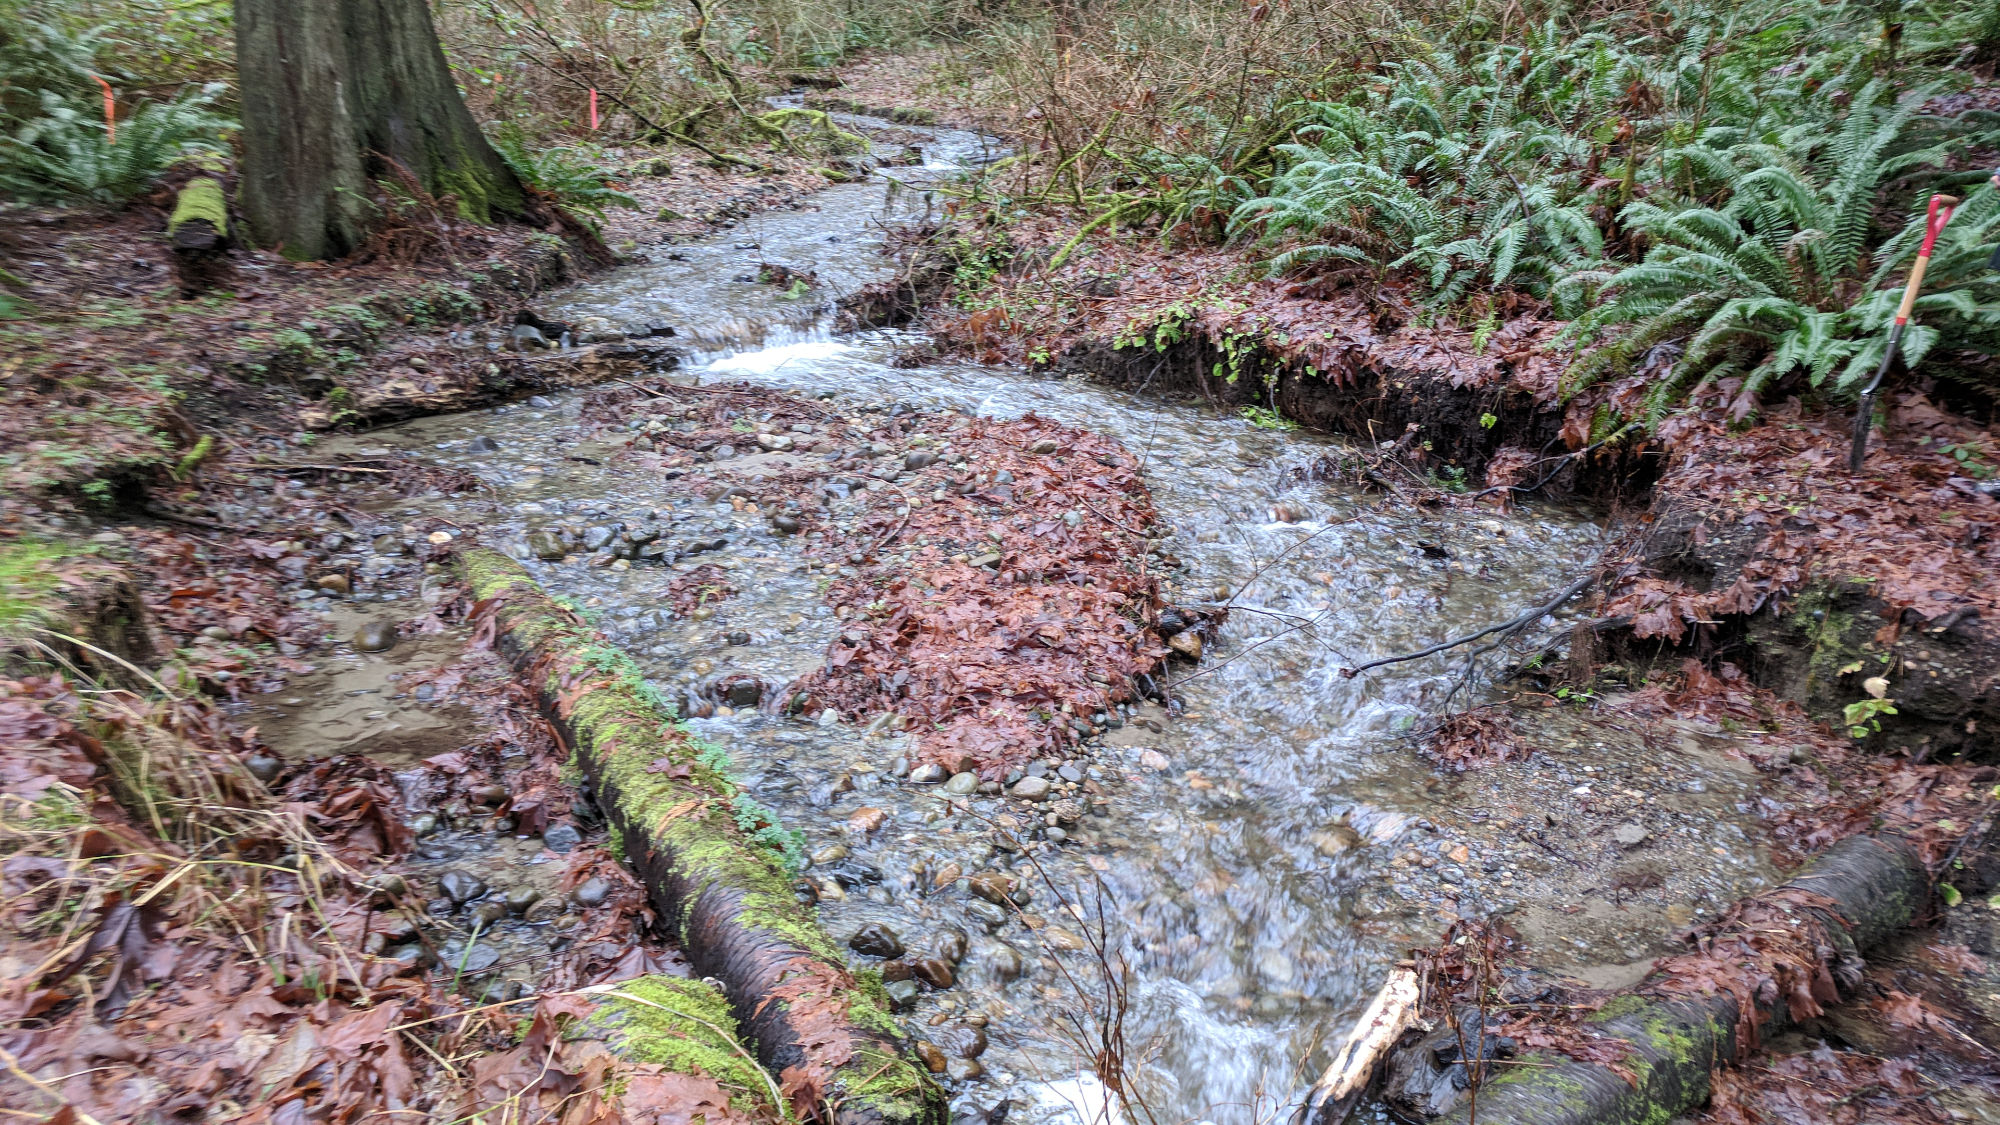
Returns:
(337,93)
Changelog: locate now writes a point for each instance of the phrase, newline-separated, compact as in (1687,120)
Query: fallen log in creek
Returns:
(1774,958)
(713,862)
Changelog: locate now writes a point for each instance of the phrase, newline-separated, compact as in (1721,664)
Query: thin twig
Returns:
(1509,626)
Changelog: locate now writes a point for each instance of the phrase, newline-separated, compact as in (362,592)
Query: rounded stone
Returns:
(902,994)
(592,892)
(962,784)
(934,971)
(1032,789)
(876,940)
(376,636)
(460,887)
(961,1039)
(951,945)
(561,838)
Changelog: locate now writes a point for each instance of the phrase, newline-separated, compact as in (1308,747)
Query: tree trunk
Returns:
(339,92)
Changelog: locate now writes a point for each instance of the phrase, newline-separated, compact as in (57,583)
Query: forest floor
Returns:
(172,440)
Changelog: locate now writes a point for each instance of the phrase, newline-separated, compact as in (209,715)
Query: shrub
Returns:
(571,176)
(1774,280)
(66,155)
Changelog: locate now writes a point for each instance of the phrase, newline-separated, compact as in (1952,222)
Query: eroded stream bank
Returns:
(1262,854)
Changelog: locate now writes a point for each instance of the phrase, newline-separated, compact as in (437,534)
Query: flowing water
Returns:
(1246,882)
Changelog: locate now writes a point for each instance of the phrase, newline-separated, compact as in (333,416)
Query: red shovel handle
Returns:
(1934,221)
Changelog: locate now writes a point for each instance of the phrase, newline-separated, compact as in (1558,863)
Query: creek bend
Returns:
(1263,855)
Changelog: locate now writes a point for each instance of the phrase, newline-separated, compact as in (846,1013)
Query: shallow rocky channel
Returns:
(1257,859)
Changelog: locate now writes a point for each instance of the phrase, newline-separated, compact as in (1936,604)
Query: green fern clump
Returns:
(573,177)
(65,154)
(1766,283)
(1473,176)
(54,147)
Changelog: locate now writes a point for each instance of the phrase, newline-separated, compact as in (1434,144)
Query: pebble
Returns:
(460,887)
(1153,760)
(547,546)
(490,911)
(423,824)
(867,819)
(933,1056)
(784,524)
(902,994)
(592,892)
(934,971)
(1032,789)
(561,838)
(952,945)
(1000,890)
(1334,840)
(962,784)
(376,636)
(475,959)
(521,898)
(264,767)
(1003,960)
(1629,835)
(928,774)
(964,1070)
(333,583)
(876,940)
(1187,644)
(987,914)
(961,1039)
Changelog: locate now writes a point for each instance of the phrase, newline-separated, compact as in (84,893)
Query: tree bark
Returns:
(339,92)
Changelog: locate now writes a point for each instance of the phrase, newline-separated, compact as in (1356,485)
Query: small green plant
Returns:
(1488,421)
(1864,717)
(1265,418)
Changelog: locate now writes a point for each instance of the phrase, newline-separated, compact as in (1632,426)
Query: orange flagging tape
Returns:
(110,111)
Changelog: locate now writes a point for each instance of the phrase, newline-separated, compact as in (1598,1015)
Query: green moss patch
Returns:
(685,1026)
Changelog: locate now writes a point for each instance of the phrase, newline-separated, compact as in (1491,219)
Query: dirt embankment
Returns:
(1753,544)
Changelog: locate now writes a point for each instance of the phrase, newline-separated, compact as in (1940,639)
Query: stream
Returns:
(1260,858)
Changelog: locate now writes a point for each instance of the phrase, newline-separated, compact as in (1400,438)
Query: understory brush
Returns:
(55,143)
(1712,194)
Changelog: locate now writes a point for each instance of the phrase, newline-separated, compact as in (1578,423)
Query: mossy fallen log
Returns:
(61,606)
(714,862)
(198,229)
(1777,955)
(647,1049)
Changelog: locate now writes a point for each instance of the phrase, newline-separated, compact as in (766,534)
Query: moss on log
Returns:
(674,1040)
(58,605)
(201,215)
(713,861)
(1863,889)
